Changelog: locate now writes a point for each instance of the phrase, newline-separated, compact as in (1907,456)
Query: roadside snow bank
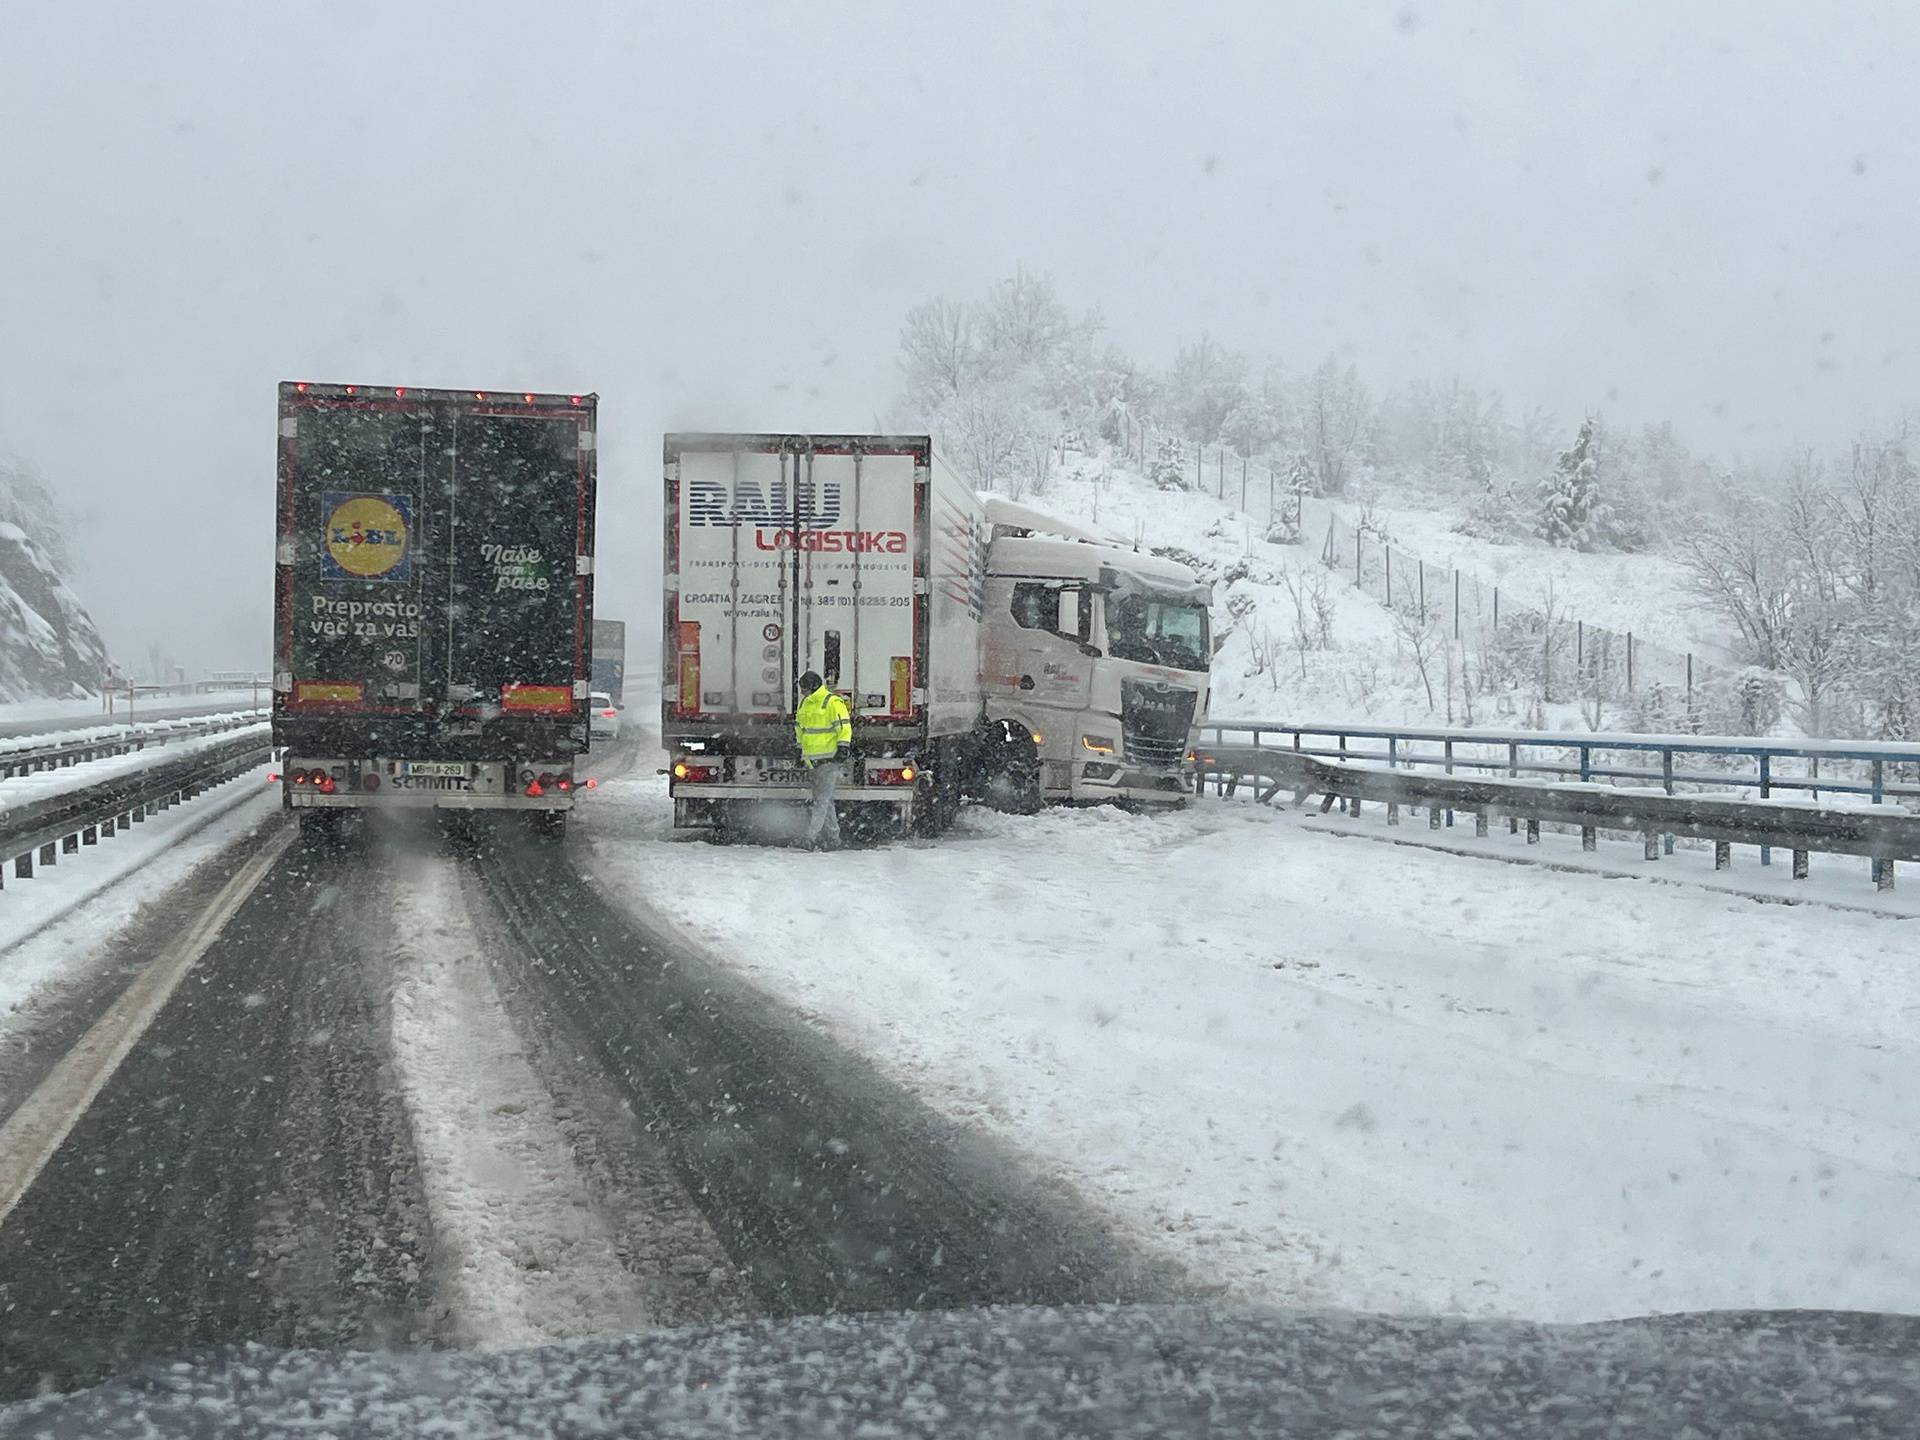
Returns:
(1362,1075)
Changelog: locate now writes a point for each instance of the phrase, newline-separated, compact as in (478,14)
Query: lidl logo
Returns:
(368,537)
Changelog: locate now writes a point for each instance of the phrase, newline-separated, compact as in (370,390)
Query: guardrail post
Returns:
(1799,864)
(1666,780)
(1879,782)
(1722,855)
(1513,750)
(70,844)
(23,866)
(1480,825)
(1433,817)
(1533,832)
(1393,812)
(1586,763)
(90,835)
(1652,847)
(1629,662)
(49,853)
(1883,874)
(1766,789)
(1589,838)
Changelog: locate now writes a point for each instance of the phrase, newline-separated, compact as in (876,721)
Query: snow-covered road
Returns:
(1330,1072)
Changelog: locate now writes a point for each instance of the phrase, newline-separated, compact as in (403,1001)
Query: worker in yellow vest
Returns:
(824,728)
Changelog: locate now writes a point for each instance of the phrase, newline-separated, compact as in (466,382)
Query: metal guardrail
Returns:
(1390,773)
(1878,770)
(39,831)
(54,750)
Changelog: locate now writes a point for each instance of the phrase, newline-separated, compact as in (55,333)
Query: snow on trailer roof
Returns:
(324,390)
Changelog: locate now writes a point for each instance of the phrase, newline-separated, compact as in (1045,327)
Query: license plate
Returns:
(454,769)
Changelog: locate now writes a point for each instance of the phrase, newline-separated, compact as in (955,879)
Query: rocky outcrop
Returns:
(48,644)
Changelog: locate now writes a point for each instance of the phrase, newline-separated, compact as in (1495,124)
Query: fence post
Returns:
(1243,482)
(1356,558)
(1199,477)
(1456,604)
(1389,553)
(1423,590)
(1689,682)
(1629,662)
(1580,644)
(1496,607)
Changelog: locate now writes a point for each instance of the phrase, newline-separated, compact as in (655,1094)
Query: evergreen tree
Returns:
(1572,514)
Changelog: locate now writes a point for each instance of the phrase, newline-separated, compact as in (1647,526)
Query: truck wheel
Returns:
(1011,768)
(548,825)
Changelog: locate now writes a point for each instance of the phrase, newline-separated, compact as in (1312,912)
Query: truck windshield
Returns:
(1142,626)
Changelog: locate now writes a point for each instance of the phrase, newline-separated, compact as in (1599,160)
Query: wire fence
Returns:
(1499,641)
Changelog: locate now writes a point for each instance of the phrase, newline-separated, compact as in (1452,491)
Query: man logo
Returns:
(367,537)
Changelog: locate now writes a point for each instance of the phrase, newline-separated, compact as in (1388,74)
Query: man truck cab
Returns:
(1095,663)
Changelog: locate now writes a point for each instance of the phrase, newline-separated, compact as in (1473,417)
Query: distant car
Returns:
(605,716)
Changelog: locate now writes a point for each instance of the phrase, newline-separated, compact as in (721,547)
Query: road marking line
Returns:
(42,1123)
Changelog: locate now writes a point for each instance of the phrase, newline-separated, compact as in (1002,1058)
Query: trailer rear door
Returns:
(435,552)
(794,553)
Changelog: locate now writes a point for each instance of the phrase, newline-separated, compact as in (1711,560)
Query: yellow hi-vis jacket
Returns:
(822,725)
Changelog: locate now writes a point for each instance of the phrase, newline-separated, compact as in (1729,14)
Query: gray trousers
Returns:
(820,817)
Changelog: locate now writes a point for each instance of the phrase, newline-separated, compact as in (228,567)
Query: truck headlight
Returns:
(1098,744)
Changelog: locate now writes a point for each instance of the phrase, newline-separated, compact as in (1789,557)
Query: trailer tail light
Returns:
(900,686)
(592,784)
(535,790)
(687,700)
(695,773)
(536,699)
(902,775)
(575,399)
(271,777)
(565,784)
(325,784)
(370,781)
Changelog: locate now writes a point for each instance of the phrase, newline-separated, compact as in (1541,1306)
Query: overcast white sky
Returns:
(716,215)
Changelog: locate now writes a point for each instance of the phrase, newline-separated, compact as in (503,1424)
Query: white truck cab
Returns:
(1095,664)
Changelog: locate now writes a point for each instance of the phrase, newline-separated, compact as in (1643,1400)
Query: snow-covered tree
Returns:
(1572,514)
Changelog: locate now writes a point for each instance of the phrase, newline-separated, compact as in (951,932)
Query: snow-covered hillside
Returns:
(1299,641)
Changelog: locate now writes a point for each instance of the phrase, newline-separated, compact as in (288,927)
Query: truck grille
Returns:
(1156,720)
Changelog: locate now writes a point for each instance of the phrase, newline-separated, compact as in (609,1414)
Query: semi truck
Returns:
(982,650)
(433,600)
(610,659)
(1095,664)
